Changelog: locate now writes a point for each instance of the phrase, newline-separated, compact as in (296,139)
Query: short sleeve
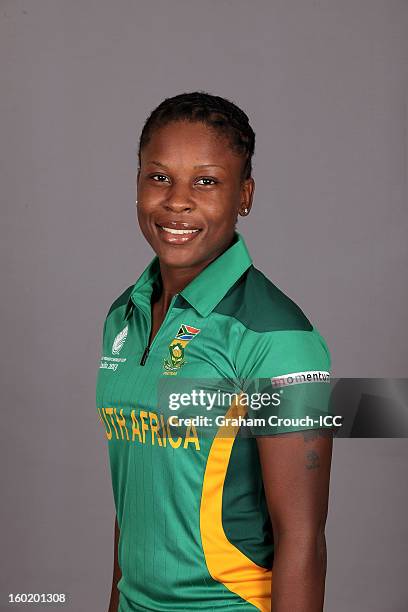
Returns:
(285,380)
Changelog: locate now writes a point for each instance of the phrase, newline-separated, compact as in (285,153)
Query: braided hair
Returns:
(216,112)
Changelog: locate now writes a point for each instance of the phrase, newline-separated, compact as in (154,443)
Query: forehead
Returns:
(190,143)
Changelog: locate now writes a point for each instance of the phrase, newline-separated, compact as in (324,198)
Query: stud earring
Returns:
(136,202)
(245,211)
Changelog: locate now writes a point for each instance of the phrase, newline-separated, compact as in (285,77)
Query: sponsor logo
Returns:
(175,359)
(297,378)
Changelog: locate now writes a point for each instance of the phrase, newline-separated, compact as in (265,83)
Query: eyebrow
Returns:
(157,163)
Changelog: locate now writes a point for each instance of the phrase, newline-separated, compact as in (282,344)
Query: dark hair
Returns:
(216,112)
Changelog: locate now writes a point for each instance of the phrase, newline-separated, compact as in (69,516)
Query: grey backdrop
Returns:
(325,85)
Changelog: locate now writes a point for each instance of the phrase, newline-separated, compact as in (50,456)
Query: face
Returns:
(189,193)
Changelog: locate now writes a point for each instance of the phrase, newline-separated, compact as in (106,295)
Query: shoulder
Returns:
(277,337)
(114,319)
(261,306)
(119,304)
(115,316)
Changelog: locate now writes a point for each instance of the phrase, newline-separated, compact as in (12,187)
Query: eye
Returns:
(159,177)
(208,180)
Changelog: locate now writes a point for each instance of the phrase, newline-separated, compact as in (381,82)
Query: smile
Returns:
(177,235)
(178,231)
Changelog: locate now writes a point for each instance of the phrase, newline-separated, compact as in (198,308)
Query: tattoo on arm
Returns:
(313,461)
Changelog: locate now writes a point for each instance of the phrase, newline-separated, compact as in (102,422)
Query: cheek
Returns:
(146,204)
(143,215)
(225,217)
(146,192)
(223,211)
(150,190)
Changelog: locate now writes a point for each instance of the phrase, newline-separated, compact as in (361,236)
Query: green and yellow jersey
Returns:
(195,532)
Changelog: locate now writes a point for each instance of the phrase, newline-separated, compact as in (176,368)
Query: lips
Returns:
(177,232)
(177,225)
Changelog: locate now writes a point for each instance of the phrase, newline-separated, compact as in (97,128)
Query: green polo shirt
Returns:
(195,532)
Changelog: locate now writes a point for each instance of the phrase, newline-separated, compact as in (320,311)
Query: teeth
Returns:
(178,231)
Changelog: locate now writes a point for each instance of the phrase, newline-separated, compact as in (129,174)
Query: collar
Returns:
(206,290)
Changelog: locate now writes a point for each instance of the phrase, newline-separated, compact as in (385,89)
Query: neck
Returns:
(175,279)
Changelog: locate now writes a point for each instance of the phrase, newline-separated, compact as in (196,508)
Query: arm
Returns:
(117,574)
(296,475)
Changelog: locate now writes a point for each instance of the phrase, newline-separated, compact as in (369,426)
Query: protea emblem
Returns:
(119,341)
(177,347)
(176,354)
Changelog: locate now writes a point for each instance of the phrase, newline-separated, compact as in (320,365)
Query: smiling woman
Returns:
(216,524)
(202,199)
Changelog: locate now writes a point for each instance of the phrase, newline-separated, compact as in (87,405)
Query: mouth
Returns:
(177,232)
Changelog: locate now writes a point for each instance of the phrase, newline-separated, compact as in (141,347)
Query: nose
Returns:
(178,198)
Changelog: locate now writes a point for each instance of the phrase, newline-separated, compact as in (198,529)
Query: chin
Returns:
(174,258)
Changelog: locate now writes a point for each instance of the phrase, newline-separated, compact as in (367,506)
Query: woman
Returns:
(208,518)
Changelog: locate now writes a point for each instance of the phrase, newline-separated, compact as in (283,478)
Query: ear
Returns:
(247,195)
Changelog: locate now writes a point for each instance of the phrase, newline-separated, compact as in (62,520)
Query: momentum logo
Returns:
(301,377)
